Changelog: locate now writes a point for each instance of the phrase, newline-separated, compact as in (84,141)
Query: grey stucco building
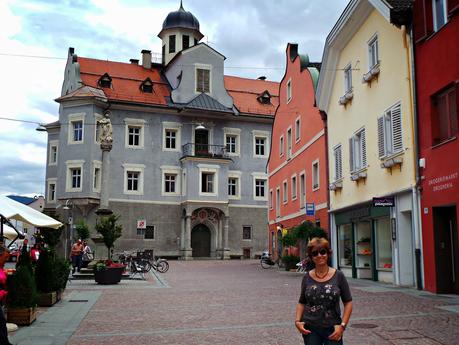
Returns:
(189,152)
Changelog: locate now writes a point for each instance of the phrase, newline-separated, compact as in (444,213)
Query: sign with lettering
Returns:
(387,201)
(443,182)
(310,209)
(142,224)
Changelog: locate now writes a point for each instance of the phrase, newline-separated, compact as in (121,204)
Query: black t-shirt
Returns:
(321,299)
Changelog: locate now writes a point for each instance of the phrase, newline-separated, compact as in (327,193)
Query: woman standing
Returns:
(4,253)
(318,314)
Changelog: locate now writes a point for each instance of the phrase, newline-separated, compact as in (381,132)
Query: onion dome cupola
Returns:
(180,31)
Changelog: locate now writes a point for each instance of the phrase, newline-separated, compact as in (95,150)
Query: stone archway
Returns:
(200,241)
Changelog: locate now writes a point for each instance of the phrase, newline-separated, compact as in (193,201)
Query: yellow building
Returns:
(366,90)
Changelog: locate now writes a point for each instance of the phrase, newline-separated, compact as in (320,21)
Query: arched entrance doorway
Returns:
(200,241)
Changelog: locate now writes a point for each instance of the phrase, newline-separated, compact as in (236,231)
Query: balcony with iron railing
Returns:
(205,151)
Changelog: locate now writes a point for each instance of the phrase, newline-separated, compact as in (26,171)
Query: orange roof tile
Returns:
(245,92)
(127,77)
(126,80)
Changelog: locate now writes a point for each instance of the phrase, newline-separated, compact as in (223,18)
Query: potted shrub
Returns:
(290,261)
(110,231)
(22,293)
(108,272)
(62,271)
(45,277)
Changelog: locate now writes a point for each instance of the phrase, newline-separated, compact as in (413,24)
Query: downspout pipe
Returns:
(416,214)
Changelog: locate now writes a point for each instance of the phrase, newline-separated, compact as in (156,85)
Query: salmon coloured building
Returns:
(297,164)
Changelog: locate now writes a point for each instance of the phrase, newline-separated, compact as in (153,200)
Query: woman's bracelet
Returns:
(297,321)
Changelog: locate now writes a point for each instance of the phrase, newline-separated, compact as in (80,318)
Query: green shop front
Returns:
(364,240)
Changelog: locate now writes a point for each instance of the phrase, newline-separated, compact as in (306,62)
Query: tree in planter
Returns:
(304,232)
(62,271)
(45,274)
(22,292)
(82,229)
(110,231)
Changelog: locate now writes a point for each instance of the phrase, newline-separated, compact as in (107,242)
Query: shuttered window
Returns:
(390,132)
(358,151)
(338,163)
(202,80)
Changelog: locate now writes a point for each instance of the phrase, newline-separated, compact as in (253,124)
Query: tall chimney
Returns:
(146,59)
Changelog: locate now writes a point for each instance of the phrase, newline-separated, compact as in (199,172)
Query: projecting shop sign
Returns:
(310,209)
(388,201)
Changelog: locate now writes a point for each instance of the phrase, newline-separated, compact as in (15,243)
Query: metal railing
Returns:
(204,150)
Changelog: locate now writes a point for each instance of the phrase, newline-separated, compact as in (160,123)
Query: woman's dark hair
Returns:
(318,243)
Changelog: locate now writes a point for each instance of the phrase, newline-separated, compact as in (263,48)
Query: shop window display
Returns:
(345,245)
(363,248)
(384,244)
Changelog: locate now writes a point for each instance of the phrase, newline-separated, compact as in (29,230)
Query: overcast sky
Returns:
(252,34)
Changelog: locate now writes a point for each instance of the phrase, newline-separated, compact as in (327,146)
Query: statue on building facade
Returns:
(106,130)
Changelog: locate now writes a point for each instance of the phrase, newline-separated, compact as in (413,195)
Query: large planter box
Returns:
(110,275)
(59,294)
(21,316)
(47,299)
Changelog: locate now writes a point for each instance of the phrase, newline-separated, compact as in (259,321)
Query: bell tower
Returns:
(180,31)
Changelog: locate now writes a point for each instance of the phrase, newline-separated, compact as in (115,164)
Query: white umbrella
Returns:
(11,209)
(9,233)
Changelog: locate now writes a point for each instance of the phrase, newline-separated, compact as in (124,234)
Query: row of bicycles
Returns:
(139,263)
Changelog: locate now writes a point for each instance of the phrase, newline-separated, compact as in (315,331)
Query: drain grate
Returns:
(364,325)
(78,300)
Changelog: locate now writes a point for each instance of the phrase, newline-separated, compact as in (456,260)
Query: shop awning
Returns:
(11,209)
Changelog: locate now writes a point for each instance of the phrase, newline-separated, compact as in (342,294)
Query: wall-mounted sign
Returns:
(142,224)
(310,209)
(388,201)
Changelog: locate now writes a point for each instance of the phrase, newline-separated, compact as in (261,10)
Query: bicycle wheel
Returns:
(144,266)
(265,264)
(162,266)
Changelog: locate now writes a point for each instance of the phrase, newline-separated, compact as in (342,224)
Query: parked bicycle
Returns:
(141,262)
(266,261)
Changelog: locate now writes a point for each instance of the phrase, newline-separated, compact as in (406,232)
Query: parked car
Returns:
(14,254)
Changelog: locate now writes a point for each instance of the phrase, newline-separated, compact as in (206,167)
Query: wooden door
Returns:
(200,241)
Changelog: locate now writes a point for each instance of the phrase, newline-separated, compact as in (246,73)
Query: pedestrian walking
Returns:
(88,255)
(77,255)
(318,315)
(4,253)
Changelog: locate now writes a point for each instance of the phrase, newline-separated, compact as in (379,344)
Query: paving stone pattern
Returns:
(238,302)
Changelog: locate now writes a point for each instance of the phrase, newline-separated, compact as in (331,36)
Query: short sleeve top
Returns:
(321,299)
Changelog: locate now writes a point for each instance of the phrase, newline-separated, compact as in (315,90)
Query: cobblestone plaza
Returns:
(232,302)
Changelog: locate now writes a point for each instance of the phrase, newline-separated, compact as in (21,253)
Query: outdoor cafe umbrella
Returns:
(10,209)
(11,233)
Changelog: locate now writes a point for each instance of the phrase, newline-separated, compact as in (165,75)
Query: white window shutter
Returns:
(363,144)
(340,163)
(351,154)
(397,128)
(381,143)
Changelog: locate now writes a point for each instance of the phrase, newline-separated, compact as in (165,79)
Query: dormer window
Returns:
(105,81)
(202,80)
(147,86)
(264,97)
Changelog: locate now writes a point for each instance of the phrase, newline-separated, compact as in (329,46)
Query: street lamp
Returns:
(68,207)
(41,127)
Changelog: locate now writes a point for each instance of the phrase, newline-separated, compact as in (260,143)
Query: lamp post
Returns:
(69,208)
